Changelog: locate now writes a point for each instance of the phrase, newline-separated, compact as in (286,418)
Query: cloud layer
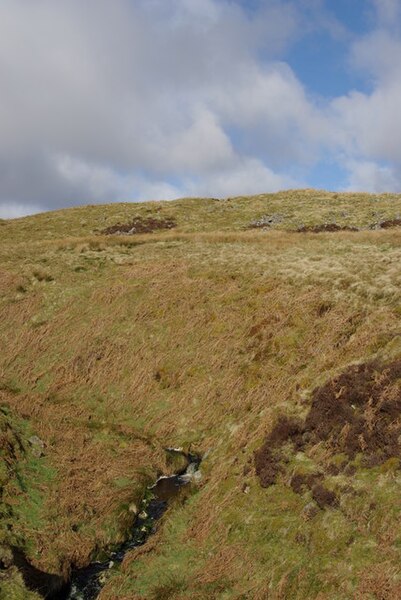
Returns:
(127,100)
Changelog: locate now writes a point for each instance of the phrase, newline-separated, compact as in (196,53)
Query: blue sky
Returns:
(320,59)
(146,99)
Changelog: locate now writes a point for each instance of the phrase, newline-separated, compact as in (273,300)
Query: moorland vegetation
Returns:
(262,333)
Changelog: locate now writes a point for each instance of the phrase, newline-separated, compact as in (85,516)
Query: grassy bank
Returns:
(202,336)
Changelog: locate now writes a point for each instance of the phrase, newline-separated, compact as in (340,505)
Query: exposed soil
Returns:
(268,461)
(390,223)
(356,413)
(299,481)
(324,228)
(323,497)
(140,225)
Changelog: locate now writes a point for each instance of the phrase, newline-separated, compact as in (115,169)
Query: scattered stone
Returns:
(191,475)
(37,446)
(140,225)
(133,508)
(265,222)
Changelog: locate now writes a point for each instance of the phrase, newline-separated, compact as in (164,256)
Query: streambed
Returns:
(86,583)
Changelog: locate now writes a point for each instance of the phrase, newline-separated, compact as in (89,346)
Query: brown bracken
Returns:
(357,412)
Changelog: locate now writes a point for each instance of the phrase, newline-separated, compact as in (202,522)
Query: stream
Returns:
(86,583)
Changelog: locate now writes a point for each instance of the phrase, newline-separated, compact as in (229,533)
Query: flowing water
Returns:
(87,582)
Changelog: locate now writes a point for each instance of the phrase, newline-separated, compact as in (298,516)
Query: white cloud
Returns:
(371,123)
(103,101)
(130,95)
(240,176)
(388,11)
(372,177)
(245,176)
(104,184)
(366,126)
(13,210)
(201,146)
(379,54)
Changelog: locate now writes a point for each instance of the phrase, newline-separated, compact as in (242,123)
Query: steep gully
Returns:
(86,583)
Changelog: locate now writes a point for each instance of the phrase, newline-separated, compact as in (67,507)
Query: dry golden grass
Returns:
(200,336)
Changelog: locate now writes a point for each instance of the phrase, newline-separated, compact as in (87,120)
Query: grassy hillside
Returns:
(211,336)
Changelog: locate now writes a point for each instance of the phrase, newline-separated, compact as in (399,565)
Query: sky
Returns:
(129,100)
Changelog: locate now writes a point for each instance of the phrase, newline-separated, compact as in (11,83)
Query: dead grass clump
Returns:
(379,581)
(140,225)
(10,281)
(358,412)
(41,274)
